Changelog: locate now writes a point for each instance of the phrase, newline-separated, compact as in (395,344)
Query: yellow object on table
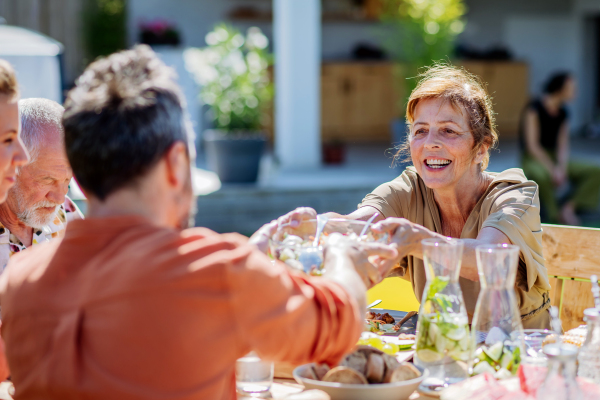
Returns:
(395,293)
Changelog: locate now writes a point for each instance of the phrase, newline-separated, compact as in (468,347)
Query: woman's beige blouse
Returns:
(510,204)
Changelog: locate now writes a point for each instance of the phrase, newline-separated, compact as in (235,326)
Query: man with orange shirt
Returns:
(131,306)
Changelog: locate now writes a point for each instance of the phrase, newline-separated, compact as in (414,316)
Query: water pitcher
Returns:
(497,329)
(443,339)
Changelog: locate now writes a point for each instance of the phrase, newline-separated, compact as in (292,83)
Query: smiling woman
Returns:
(448,192)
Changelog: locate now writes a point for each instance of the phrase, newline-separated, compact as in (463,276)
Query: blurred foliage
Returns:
(233,73)
(104,27)
(421,32)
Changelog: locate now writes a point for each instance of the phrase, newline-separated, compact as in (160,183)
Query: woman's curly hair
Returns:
(464,91)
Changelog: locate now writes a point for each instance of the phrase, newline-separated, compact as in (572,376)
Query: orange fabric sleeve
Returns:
(4,370)
(285,316)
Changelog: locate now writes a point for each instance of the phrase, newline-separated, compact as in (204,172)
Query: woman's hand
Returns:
(405,235)
(298,215)
(372,261)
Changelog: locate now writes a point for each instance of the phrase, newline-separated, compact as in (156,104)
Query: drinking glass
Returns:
(253,375)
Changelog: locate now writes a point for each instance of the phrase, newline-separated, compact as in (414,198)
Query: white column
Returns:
(297,44)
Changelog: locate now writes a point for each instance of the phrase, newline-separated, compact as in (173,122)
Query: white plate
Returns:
(342,391)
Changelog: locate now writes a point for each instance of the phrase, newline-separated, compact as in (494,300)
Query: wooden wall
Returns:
(62,20)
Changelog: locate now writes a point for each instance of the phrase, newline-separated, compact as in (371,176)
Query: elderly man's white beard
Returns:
(31,215)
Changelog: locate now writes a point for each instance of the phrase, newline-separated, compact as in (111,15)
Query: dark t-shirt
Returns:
(549,126)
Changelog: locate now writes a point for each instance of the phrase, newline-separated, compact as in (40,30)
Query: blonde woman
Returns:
(12,151)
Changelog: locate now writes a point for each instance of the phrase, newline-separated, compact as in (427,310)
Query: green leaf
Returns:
(438,284)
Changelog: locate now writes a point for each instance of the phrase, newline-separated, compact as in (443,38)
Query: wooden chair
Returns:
(572,255)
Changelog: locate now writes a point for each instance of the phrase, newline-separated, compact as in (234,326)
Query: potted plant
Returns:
(418,33)
(233,73)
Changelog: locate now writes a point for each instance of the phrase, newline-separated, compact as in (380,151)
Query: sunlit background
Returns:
(300,102)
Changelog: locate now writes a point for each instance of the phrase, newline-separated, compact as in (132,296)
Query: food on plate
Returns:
(376,326)
(375,368)
(357,361)
(320,370)
(575,336)
(403,372)
(367,365)
(387,347)
(442,332)
(379,323)
(405,336)
(316,372)
(385,317)
(497,359)
(345,375)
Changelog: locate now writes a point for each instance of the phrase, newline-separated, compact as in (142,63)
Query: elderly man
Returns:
(37,209)
(130,306)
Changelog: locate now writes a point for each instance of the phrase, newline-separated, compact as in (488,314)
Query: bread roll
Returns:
(320,370)
(375,368)
(357,361)
(404,372)
(345,375)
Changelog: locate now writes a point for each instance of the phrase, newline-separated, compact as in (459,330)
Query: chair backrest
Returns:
(572,255)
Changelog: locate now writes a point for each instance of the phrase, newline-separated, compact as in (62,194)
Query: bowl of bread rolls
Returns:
(366,373)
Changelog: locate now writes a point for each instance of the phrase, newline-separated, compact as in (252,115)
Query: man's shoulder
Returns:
(203,241)
(205,233)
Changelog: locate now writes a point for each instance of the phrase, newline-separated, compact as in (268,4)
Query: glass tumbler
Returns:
(443,339)
(253,375)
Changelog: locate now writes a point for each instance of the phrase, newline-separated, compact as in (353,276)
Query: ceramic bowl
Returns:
(342,391)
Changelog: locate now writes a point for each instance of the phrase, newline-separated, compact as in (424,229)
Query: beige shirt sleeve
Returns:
(516,213)
(391,199)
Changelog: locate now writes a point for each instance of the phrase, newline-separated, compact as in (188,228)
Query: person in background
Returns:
(12,152)
(37,208)
(129,304)
(448,193)
(566,186)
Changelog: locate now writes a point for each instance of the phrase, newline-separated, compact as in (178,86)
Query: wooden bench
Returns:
(572,255)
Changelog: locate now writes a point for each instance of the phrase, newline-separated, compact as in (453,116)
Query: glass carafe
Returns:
(560,382)
(497,329)
(589,354)
(443,339)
